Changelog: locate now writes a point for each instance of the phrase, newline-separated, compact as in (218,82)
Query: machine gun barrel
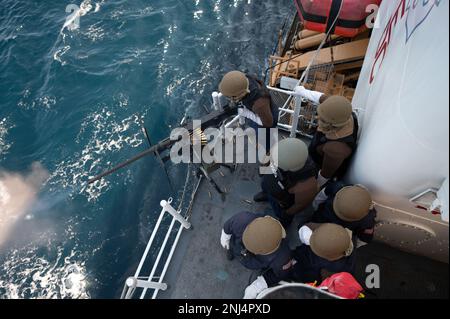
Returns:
(159,147)
(211,120)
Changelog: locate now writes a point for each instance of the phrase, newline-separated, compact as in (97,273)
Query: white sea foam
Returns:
(123,100)
(59,54)
(47,101)
(5,126)
(135,13)
(176,83)
(102,134)
(198,14)
(95,32)
(26,275)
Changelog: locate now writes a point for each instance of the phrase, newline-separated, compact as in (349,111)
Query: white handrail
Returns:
(283,110)
(158,258)
(148,282)
(149,245)
(295,113)
(169,259)
(304,77)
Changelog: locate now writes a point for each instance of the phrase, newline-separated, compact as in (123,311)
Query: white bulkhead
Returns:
(403,103)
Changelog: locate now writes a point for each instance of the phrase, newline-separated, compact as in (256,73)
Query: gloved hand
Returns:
(321,180)
(252,291)
(312,96)
(305,234)
(250,115)
(225,240)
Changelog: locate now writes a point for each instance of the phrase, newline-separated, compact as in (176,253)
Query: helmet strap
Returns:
(350,249)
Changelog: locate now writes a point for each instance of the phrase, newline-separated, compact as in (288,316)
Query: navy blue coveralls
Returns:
(309,265)
(276,267)
(362,229)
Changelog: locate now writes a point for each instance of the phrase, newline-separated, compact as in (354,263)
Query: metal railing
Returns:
(285,109)
(152,282)
(295,113)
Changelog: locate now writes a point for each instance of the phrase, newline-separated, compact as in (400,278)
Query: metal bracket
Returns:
(167,207)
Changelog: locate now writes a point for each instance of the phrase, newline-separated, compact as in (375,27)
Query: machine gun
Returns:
(213,119)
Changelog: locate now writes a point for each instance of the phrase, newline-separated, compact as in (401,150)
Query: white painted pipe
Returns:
(147,249)
(216,101)
(222,101)
(134,282)
(287,111)
(236,119)
(291,93)
(295,117)
(158,258)
(167,207)
(169,259)
(241,120)
(175,214)
(289,128)
(126,292)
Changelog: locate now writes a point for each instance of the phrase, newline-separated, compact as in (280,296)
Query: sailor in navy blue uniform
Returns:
(329,247)
(350,206)
(259,243)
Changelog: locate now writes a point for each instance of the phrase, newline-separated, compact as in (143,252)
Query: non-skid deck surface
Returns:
(200,269)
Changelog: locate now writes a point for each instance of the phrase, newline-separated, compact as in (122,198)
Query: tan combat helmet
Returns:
(290,154)
(331,242)
(234,85)
(352,203)
(336,111)
(263,236)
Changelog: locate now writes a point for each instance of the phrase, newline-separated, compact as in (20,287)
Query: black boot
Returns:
(261,197)
(230,255)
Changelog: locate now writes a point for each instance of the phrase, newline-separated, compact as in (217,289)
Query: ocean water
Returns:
(72,104)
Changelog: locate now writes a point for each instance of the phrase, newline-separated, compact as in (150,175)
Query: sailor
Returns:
(254,100)
(335,140)
(350,206)
(325,247)
(259,243)
(293,185)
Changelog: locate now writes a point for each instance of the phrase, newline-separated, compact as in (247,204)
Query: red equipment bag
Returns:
(319,15)
(343,285)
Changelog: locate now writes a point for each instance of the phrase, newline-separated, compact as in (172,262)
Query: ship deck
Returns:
(200,269)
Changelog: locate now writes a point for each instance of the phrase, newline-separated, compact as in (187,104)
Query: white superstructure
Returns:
(403,154)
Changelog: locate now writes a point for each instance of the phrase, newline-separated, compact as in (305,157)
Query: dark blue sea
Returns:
(72,104)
